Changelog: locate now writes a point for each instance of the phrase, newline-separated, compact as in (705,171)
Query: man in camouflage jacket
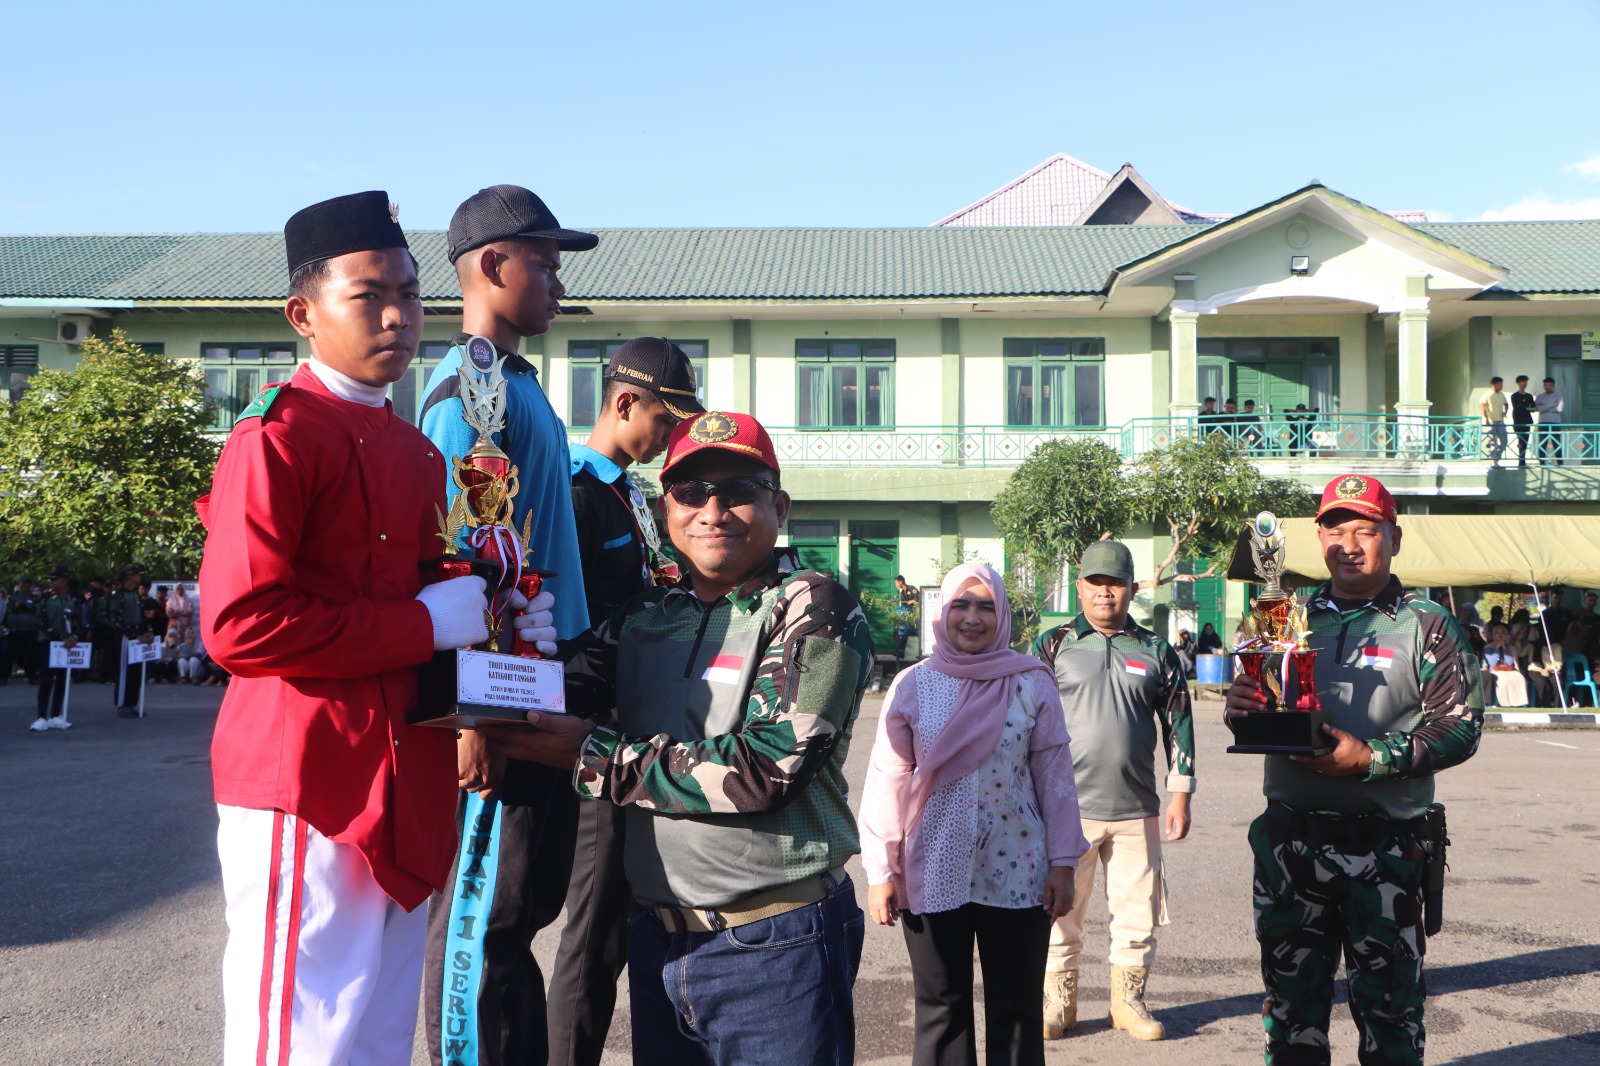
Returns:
(735,693)
(1338,854)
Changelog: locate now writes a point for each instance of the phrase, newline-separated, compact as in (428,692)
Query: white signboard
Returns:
(65,658)
(1590,344)
(932,599)
(495,680)
(143,653)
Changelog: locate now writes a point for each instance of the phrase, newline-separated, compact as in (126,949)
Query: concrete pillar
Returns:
(950,407)
(1379,367)
(1412,406)
(1160,366)
(744,368)
(951,379)
(949,534)
(1184,330)
(533,351)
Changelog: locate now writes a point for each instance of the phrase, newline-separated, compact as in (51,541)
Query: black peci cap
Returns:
(360,222)
(656,364)
(502,212)
(61,570)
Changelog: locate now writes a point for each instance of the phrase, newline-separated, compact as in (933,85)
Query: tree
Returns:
(1204,490)
(102,464)
(1064,496)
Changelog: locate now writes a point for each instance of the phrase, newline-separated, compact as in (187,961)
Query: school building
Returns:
(904,373)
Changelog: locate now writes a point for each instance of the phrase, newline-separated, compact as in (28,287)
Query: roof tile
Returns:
(740,264)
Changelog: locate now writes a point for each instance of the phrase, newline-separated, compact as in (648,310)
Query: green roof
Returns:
(1542,256)
(739,264)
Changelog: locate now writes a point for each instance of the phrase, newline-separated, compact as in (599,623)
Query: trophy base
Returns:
(1280,733)
(465,689)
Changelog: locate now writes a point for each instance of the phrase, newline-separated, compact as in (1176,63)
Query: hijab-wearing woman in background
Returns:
(1210,640)
(181,612)
(970,828)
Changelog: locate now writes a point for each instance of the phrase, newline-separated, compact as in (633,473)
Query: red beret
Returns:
(1363,495)
(726,431)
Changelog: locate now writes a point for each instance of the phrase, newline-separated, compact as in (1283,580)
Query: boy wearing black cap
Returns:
(484,998)
(335,815)
(650,388)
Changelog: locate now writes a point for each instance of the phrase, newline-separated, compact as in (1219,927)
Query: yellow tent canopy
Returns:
(1506,553)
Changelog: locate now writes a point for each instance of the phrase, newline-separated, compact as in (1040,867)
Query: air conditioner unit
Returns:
(72,329)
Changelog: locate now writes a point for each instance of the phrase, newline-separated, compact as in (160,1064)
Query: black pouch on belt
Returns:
(1434,842)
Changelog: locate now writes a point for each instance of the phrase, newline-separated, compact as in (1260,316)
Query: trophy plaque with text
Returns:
(496,682)
(1275,654)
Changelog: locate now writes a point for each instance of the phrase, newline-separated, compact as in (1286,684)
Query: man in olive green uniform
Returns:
(1119,684)
(1338,854)
(125,612)
(60,619)
(22,619)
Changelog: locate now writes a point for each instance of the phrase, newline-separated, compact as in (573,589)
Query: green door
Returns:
(1210,605)
(874,561)
(1275,386)
(1206,597)
(817,544)
(1588,406)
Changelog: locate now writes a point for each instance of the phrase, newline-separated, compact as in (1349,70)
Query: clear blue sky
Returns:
(184,116)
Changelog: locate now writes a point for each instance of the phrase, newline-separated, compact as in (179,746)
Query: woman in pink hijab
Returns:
(969,826)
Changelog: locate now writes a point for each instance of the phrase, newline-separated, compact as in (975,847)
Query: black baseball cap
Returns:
(502,212)
(656,364)
(360,222)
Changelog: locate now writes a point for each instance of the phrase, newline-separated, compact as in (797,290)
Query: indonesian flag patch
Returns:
(1379,658)
(724,669)
(1136,668)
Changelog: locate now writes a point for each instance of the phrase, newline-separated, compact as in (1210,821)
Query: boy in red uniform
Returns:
(337,818)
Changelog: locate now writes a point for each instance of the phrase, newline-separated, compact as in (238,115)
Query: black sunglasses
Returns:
(732,491)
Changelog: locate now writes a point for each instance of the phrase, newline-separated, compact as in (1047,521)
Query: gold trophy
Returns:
(462,688)
(1275,654)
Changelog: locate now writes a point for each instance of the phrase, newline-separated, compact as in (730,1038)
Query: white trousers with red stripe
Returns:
(321,965)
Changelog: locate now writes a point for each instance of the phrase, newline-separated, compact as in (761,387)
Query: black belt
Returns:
(1331,827)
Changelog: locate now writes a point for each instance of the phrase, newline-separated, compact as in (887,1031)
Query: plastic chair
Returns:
(1579,676)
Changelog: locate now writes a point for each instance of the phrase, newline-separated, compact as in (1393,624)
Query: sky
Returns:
(183,117)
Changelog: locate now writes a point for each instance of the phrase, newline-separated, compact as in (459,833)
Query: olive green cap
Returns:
(1107,558)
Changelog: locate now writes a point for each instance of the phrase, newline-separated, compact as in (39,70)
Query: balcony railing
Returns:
(1350,436)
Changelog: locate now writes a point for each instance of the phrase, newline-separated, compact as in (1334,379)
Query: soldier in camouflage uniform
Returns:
(1338,857)
(735,692)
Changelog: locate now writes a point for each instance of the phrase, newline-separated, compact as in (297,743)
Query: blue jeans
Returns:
(774,991)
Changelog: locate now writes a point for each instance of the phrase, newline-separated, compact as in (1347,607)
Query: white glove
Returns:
(457,607)
(536,623)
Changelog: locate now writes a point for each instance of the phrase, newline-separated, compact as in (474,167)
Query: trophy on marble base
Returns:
(1275,654)
(484,684)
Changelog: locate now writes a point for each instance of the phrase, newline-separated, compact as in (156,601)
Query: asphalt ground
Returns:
(112,931)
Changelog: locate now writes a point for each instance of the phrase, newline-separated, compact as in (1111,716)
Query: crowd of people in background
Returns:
(105,614)
(1284,432)
(1523,406)
(1525,658)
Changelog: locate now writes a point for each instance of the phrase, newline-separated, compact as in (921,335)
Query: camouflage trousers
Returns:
(1320,894)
